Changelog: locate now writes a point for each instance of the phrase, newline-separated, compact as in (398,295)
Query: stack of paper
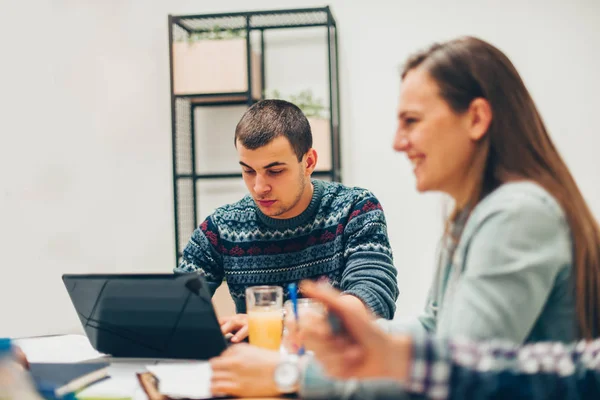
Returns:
(122,385)
(58,349)
(183,380)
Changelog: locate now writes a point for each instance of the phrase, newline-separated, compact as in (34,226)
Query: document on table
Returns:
(122,384)
(183,380)
(58,349)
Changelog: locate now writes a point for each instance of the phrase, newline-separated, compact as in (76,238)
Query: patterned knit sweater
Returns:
(341,236)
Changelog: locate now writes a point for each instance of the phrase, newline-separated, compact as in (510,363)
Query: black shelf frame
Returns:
(185,174)
(230,175)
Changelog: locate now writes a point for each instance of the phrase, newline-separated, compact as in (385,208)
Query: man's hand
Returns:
(244,370)
(237,324)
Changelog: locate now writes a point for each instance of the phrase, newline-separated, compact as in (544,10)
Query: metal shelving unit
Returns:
(185,176)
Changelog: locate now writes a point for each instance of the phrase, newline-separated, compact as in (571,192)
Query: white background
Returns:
(85,150)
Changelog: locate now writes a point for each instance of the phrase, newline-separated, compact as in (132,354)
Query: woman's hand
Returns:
(245,371)
(20,357)
(362,350)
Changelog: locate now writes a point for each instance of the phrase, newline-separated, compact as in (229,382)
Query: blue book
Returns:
(54,381)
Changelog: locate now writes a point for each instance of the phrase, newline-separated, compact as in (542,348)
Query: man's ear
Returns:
(310,161)
(479,118)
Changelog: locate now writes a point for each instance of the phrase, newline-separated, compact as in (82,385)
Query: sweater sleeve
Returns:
(511,267)
(536,371)
(201,255)
(316,386)
(369,274)
(465,369)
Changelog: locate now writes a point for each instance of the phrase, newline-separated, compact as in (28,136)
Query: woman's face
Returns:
(439,142)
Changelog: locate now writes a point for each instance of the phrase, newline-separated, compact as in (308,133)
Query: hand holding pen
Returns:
(348,344)
(293,291)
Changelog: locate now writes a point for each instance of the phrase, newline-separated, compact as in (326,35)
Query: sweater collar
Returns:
(305,216)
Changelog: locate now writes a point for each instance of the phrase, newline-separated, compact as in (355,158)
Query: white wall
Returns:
(85,150)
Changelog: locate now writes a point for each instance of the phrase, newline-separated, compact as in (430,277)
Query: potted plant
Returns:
(318,118)
(214,62)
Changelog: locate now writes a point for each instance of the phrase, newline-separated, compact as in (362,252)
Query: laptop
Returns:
(147,315)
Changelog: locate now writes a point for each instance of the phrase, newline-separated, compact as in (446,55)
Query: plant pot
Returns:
(214,66)
(321,142)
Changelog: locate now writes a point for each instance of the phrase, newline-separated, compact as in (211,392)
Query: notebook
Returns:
(55,380)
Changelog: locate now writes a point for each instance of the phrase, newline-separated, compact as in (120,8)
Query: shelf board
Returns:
(216,99)
(237,175)
(267,19)
(210,176)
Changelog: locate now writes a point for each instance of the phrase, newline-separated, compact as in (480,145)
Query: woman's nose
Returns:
(400,142)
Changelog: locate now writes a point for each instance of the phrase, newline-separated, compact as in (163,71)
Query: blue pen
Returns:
(293,290)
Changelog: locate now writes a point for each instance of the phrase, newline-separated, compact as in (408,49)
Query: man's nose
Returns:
(261,185)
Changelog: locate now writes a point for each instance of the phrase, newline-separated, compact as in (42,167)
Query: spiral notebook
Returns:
(55,380)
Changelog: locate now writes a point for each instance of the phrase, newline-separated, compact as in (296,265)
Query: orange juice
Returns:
(265,327)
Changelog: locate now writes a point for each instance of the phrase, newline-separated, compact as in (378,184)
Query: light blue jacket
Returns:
(509,277)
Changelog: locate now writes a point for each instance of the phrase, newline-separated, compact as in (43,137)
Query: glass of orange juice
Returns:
(264,306)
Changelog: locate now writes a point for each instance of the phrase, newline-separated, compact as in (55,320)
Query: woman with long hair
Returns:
(521,255)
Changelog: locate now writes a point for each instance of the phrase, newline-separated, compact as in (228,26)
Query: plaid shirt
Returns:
(464,369)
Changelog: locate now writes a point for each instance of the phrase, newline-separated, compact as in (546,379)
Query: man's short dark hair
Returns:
(268,119)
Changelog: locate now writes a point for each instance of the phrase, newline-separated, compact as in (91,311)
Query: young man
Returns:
(290,227)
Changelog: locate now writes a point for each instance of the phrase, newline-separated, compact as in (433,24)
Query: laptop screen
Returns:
(147,315)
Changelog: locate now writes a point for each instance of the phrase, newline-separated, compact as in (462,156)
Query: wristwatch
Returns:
(287,374)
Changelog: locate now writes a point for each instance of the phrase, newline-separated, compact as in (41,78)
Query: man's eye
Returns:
(275,172)
(248,171)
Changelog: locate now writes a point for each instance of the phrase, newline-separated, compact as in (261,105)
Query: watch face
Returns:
(287,375)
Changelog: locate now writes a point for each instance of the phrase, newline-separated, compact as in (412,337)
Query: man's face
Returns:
(276,180)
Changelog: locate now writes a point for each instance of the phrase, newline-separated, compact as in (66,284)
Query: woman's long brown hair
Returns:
(517,144)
